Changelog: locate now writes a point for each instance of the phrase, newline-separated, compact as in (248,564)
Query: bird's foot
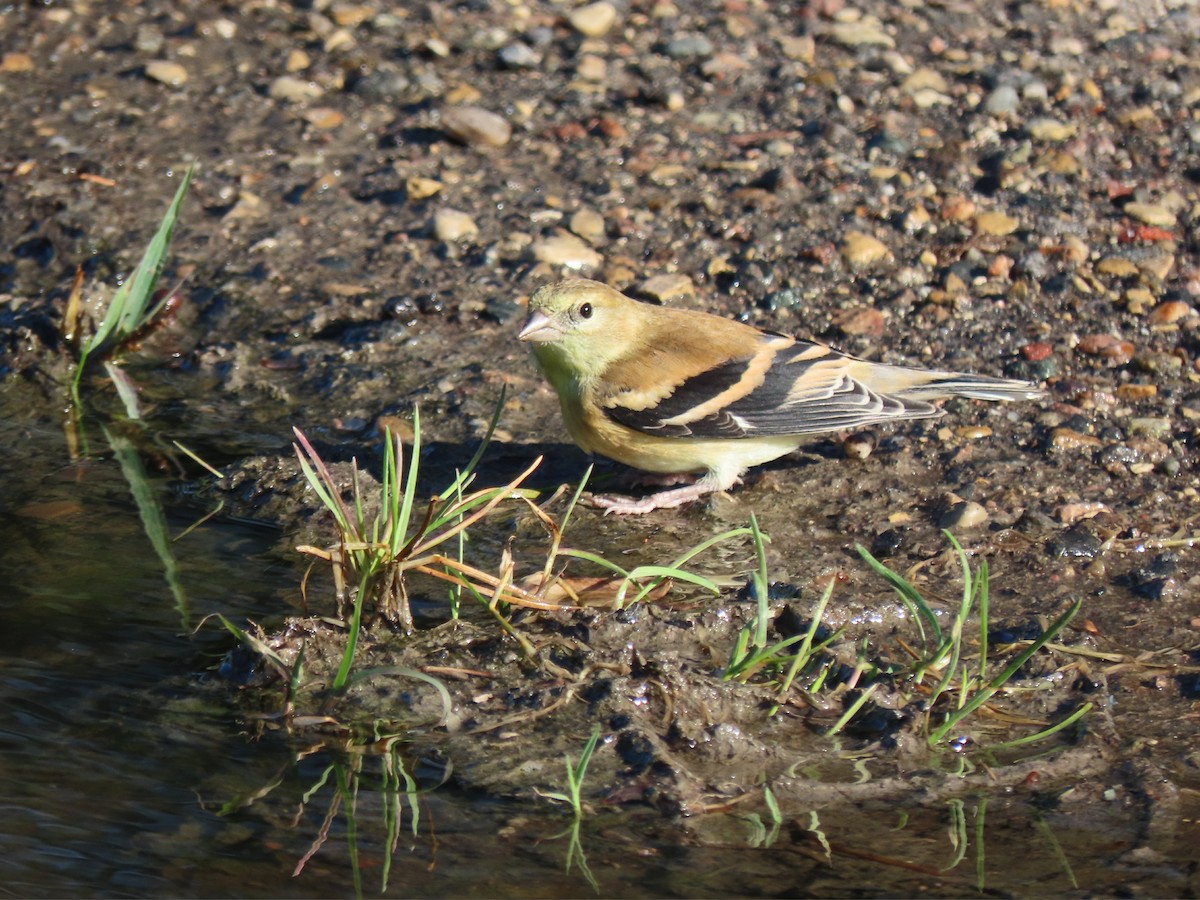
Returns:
(669,499)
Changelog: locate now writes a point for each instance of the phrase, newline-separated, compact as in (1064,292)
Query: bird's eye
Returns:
(586,311)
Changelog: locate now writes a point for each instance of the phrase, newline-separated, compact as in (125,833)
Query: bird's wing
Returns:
(784,387)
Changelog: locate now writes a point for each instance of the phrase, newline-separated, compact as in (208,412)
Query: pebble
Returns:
(294,90)
(995,223)
(1151,214)
(452,225)
(1150,426)
(859,249)
(169,73)
(324,118)
(689,46)
(866,32)
(1003,101)
(567,250)
(1138,300)
(958,209)
(1105,346)
(866,321)
(667,287)
(519,56)
(1077,542)
(1062,438)
(591,68)
(593,20)
(1133,392)
(475,126)
(418,188)
(16,62)
(859,445)
(1070,513)
(297,60)
(1170,312)
(959,513)
(1157,267)
(1050,130)
(1117,266)
(973,432)
(589,225)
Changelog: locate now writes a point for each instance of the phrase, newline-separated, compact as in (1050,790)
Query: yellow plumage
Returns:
(678,391)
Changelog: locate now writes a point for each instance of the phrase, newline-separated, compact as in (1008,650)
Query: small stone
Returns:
(995,223)
(294,90)
(860,249)
(166,72)
(451,225)
(721,64)
(866,32)
(1003,101)
(1134,392)
(959,513)
(1070,513)
(1077,542)
(1138,300)
(475,126)
(348,15)
(1170,312)
(1150,426)
(297,60)
(1062,438)
(16,62)
(1117,266)
(323,117)
(866,321)
(973,432)
(418,188)
(593,20)
(665,288)
(859,445)
(802,48)
(1105,346)
(1036,351)
(567,250)
(925,79)
(519,56)
(1151,214)
(1050,130)
(689,46)
(958,209)
(1157,267)
(591,68)
(589,225)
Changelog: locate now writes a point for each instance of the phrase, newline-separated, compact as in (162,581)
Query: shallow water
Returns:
(125,770)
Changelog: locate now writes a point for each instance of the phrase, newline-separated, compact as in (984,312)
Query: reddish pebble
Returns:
(1169,312)
(1107,347)
(1132,234)
(1036,351)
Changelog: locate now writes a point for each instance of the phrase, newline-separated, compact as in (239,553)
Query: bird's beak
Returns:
(539,328)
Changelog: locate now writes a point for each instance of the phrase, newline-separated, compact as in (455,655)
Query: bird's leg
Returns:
(628,506)
(634,479)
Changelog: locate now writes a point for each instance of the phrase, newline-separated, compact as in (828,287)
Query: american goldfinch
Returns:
(676,391)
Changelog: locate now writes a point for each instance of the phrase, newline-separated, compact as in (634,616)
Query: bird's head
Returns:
(581,325)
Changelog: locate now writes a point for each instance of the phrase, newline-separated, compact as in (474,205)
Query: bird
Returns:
(687,393)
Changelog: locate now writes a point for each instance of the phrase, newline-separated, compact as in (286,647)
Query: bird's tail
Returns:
(936,385)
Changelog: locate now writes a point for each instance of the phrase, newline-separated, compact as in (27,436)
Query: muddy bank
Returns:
(1010,190)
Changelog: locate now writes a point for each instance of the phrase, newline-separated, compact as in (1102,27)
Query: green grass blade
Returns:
(916,605)
(989,690)
(129,308)
(852,710)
